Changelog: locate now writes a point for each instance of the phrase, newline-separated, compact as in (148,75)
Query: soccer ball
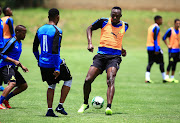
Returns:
(97,102)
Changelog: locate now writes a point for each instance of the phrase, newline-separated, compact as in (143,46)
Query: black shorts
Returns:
(155,58)
(11,74)
(104,61)
(173,57)
(47,74)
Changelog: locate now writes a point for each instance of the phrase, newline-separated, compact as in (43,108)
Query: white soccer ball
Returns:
(97,102)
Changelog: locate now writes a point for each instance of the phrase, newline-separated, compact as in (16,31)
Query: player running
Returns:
(155,54)
(9,63)
(109,54)
(53,68)
(173,34)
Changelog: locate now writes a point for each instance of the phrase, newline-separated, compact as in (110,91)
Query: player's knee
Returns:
(25,86)
(110,81)
(68,83)
(88,79)
(53,86)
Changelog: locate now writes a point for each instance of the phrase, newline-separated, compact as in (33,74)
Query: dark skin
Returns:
(8,12)
(65,89)
(20,35)
(176,27)
(159,22)
(94,72)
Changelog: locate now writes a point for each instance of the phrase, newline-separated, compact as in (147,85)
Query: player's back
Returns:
(47,36)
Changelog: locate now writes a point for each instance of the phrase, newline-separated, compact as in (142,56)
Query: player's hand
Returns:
(24,69)
(56,74)
(90,48)
(123,52)
(156,53)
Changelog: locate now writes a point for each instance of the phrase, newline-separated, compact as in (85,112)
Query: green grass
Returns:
(134,101)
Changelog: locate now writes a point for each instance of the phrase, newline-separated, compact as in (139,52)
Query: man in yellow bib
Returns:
(109,54)
(173,34)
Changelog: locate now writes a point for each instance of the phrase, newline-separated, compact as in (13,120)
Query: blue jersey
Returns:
(1,34)
(49,37)
(11,49)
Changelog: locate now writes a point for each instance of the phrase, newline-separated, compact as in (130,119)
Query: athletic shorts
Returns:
(173,57)
(11,74)
(155,58)
(104,61)
(47,74)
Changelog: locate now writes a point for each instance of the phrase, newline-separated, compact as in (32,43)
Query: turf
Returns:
(134,101)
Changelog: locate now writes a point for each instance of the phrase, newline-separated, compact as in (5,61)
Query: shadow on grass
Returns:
(17,108)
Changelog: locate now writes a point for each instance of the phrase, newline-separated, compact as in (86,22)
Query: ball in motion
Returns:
(97,102)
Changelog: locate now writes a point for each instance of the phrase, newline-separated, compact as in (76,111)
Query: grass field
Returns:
(134,101)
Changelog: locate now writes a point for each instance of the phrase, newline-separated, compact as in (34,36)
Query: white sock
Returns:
(163,75)
(167,76)
(49,108)
(147,75)
(61,104)
(172,76)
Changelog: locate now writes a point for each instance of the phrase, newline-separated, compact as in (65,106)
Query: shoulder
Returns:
(101,20)
(126,24)
(60,31)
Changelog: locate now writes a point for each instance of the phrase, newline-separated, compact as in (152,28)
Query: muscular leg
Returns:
(64,93)
(50,96)
(111,74)
(91,75)
(8,88)
(20,89)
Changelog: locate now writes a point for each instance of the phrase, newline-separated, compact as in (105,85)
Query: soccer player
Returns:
(155,54)
(109,54)
(53,68)
(1,44)
(8,29)
(9,67)
(173,34)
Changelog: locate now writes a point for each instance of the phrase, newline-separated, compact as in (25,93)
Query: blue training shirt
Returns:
(49,37)
(11,49)
(100,23)
(1,34)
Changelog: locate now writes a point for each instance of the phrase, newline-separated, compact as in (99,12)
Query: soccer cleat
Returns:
(83,108)
(108,111)
(149,81)
(166,80)
(61,110)
(174,80)
(50,113)
(2,107)
(6,103)
(1,88)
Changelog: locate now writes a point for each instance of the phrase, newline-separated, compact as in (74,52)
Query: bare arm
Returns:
(89,37)
(17,63)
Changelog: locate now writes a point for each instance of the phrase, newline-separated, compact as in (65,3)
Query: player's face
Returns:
(160,21)
(177,24)
(115,16)
(22,34)
(9,11)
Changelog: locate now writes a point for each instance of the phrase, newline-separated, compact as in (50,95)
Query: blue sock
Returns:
(1,99)
(9,96)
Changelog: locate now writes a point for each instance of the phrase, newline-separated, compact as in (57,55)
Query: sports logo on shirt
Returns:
(13,79)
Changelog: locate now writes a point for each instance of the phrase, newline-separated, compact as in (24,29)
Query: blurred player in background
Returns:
(53,69)
(109,54)
(173,34)
(1,44)
(8,29)
(155,54)
(9,64)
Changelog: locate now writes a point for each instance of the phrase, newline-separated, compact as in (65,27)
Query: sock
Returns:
(172,76)
(167,76)
(49,108)
(163,75)
(109,105)
(1,99)
(61,104)
(86,101)
(9,96)
(147,76)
